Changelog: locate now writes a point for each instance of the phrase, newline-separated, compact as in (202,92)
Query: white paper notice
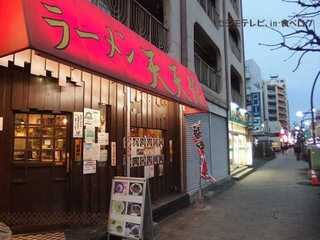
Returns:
(1,123)
(92,117)
(103,138)
(89,167)
(103,155)
(89,134)
(96,151)
(77,124)
(87,151)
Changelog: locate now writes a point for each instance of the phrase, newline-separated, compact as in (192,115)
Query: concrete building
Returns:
(212,45)
(240,146)
(254,101)
(276,106)
(203,50)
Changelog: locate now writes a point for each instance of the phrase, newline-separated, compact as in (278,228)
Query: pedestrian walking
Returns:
(297,150)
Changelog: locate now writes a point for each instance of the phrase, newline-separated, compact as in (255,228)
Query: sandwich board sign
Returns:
(130,214)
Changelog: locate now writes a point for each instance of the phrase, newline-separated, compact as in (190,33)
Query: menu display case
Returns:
(40,138)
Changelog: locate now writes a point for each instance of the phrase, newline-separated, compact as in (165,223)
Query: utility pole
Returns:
(312,112)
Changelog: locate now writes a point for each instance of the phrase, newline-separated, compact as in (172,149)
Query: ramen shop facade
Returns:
(84,99)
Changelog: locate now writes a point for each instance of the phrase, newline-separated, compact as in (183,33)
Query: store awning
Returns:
(77,32)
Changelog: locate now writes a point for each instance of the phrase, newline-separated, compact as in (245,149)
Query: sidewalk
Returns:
(274,203)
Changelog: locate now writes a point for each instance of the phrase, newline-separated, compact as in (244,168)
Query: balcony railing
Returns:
(211,11)
(235,49)
(140,20)
(206,74)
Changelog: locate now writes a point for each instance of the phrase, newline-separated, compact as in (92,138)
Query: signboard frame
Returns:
(125,196)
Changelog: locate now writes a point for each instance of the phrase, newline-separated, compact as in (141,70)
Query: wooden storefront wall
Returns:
(28,189)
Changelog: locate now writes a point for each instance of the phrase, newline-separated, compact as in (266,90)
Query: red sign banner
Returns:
(79,32)
(199,144)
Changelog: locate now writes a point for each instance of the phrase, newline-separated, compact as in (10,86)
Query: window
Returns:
(102,4)
(40,138)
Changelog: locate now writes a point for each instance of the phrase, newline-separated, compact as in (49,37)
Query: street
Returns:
(276,202)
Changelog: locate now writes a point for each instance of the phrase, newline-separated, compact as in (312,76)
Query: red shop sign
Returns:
(79,32)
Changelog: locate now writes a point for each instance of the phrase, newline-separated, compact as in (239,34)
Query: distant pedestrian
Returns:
(283,148)
(297,150)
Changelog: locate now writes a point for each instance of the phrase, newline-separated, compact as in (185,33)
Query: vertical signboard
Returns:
(1,123)
(113,154)
(78,124)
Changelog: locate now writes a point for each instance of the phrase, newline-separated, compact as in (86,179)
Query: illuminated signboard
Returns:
(80,33)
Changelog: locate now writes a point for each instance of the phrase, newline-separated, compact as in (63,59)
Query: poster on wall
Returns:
(113,154)
(89,167)
(146,152)
(87,151)
(103,155)
(103,138)
(91,151)
(91,117)
(95,151)
(130,209)
(78,124)
(89,134)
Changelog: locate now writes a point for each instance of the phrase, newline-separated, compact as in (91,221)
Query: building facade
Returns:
(254,96)
(276,106)
(203,44)
(124,81)
(240,150)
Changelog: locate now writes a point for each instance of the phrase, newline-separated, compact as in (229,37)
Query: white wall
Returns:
(195,14)
(231,58)
(172,22)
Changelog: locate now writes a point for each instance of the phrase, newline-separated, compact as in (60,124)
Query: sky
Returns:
(299,83)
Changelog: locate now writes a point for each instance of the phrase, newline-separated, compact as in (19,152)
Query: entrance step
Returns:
(167,206)
(243,174)
(40,236)
(238,170)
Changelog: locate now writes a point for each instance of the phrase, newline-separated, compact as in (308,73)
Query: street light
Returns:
(302,115)
(299,114)
(307,123)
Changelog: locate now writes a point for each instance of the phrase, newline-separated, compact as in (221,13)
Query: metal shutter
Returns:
(192,158)
(219,146)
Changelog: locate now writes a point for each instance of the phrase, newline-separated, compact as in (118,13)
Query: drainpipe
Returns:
(184,32)
(243,55)
(184,61)
(226,51)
